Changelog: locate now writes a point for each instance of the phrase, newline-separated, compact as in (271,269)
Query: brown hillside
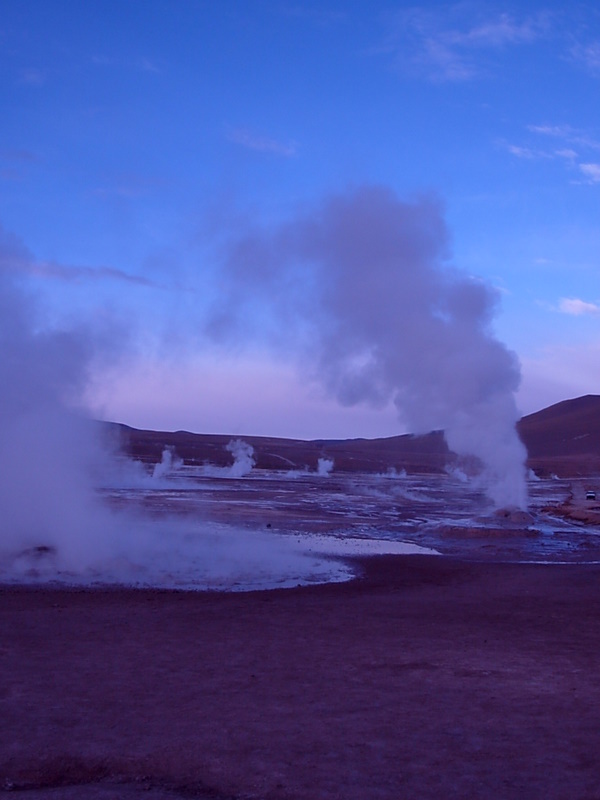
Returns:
(563,439)
(425,454)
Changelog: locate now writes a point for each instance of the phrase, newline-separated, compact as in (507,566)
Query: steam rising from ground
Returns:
(168,471)
(169,463)
(361,292)
(358,289)
(243,462)
(325,466)
(53,522)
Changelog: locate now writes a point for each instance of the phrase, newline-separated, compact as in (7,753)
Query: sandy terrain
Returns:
(426,678)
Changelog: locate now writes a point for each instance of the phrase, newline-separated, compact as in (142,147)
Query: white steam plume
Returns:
(54,524)
(243,461)
(169,463)
(48,452)
(243,458)
(361,289)
(325,467)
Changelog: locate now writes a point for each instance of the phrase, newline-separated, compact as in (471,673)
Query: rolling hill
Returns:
(563,439)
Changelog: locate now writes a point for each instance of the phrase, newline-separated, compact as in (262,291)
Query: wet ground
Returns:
(461,676)
(453,517)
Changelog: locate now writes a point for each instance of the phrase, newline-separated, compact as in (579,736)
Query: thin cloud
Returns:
(104,61)
(318,16)
(571,138)
(446,64)
(568,134)
(7,175)
(431,44)
(530,153)
(533,153)
(567,153)
(146,65)
(51,269)
(262,144)
(14,164)
(577,307)
(18,155)
(123,191)
(591,172)
(524,152)
(496,33)
(551,130)
(588,56)
(141,64)
(32,77)
(16,258)
(128,185)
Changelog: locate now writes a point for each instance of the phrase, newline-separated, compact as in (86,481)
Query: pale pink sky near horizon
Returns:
(245,397)
(265,398)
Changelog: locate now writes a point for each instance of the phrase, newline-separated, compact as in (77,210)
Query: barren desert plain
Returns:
(466,668)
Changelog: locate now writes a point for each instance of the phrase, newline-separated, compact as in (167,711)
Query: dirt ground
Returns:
(425,678)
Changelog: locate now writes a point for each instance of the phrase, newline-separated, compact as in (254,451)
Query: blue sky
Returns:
(138,136)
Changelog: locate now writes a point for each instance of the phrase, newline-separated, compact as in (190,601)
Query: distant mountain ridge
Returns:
(563,439)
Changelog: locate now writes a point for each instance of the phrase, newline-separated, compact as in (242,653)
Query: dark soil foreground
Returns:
(427,678)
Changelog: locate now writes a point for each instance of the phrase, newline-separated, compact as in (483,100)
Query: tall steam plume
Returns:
(54,524)
(361,291)
(47,451)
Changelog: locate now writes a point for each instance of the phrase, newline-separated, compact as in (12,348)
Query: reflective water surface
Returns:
(453,517)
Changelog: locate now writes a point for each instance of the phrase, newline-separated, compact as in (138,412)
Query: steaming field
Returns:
(199,528)
(365,635)
(263,231)
(364,513)
(186,527)
(426,676)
